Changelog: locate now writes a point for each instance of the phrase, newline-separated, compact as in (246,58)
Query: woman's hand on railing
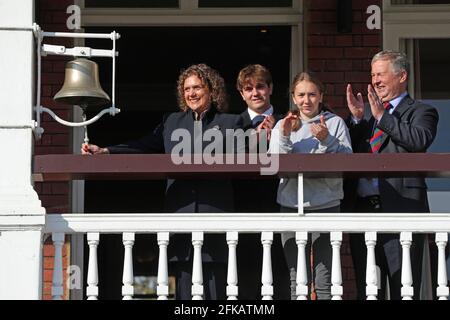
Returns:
(88,149)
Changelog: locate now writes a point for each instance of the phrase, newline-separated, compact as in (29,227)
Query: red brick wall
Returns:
(339,59)
(51,16)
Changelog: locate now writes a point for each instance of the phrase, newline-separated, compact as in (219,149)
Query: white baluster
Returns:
(127,278)
(407,291)
(57,282)
(163,271)
(197,270)
(302,274)
(232,275)
(300,197)
(371,268)
(442,290)
(93,240)
(267,277)
(336,271)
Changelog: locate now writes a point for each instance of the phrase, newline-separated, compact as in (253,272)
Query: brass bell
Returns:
(81,85)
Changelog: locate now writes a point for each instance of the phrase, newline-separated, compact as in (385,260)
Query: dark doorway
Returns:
(149,62)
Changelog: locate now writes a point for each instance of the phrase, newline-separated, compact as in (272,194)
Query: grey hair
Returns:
(398,60)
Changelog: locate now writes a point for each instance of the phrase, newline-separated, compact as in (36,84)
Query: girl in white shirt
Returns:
(311,128)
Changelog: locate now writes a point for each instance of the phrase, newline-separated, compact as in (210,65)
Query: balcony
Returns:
(73,167)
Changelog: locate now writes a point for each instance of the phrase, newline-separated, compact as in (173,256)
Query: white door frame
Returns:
(401,24)
(413,21)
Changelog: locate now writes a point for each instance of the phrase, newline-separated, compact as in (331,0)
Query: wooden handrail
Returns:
(66,167)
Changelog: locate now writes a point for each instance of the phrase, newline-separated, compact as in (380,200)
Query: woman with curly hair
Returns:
(203,101)
(207,77)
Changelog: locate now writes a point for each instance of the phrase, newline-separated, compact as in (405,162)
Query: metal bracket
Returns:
(46,49)
(76,51)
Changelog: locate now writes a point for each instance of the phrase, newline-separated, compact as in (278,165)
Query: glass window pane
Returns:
(131,3)
(244,3)
(432,66)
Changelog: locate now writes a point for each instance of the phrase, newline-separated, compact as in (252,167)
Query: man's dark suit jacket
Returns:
(185,195)
(256,195)
(411,128)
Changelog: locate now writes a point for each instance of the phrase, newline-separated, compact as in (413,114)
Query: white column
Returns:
(197,270)
(17,87)
(127,277)
(232,275)
(300,193)
(267,277)
(21,232)
(336,271)
(371,268)
(407,290)
(163,271)
(93,240)
(57,281)
(442,290)
(302,274)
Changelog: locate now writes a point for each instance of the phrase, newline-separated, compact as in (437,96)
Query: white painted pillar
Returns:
(128,276)
(267,276)
(407,290)
(21,258)
(57,281)
(336,271)
(442,289)
(21,215)
(371,268)
(232,275)
(163,270)
(302,273)
(300,193)
(197,268)
(93,240)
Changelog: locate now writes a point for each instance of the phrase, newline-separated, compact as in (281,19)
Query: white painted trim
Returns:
(221,223)
(388,7)
(297,54)
(393,33)
(300,199)
(402,23)
(190,11)
(21,222)
(414,21)
(190,20)
(190,15)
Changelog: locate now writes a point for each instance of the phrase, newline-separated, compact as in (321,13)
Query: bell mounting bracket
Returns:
(46,49)
(76,51)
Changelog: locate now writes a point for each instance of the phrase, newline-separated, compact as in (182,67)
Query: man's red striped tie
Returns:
(375,141)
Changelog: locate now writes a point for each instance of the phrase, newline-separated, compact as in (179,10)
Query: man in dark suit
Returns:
(394,123)
(202,100)
(254,83)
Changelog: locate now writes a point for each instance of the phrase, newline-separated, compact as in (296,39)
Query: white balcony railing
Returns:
(131,167)
(232,224)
